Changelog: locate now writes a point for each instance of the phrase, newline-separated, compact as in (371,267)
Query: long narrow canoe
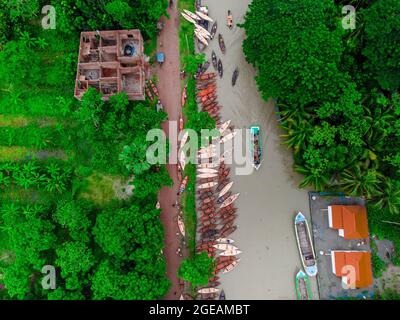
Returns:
(225,246)
(208,290)
(191,14)
(256,147)
(207,170)
(207,175)
(303,286)
(203,16)
(184,96)
(230,200)
(229,253)
(214,29)
(188,18)
(225,189)
(183,185)
(224,126)
(208,165)
(221,43)
(181,226)
(207,185)
(231,266)
(228,137)
(305,245)
(225,240)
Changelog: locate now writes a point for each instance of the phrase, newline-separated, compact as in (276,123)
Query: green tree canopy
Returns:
(197,270)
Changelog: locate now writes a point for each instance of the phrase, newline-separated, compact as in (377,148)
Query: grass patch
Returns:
(14,153)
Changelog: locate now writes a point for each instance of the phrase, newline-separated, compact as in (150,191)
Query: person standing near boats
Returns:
(229,20)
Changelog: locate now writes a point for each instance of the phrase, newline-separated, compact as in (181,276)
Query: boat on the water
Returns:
(229,253)
(231,266)
(230,200)
(181,226)
(229,20)
(191,14)
(256,147)
(206,155)
(220,68)
(214,60)
(303,289)
(228,137)
(203,16)
(224,240)
(206,165)
(235,76)
(221,43)
(214,29)
(205,67)
(225,189)
(208,290)
(210,149)
(222,295)
(207,170)
(201,38)
(203,31)
(207,185)
(207,175)
(188,18)
(225,246)
(305,245)
(224,126)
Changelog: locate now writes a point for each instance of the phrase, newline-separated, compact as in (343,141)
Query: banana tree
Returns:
(356,182)
(315,177)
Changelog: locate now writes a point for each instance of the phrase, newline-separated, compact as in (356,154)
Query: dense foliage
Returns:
(337,90)
(101,250)
(197,270)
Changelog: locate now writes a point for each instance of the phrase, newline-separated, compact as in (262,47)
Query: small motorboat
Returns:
(305,245)
(208,290)
(206,170)
(214,60)
(207,175)
(214,29)
(228,137)
(184,139)
(181,226)
(229,253)
(191,14)
(224,126)
(184,96)
(229,20)
(220,68)
(188,18)
(303,289)
(235,76)
(256,147)
(225,189)
(207,185)
(231,266)
(230,200)
(183,185)
(203,16)
(224,246)
(222,295)
(224,240)
(221,43)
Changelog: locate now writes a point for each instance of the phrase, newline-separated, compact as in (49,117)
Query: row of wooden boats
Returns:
(151,90)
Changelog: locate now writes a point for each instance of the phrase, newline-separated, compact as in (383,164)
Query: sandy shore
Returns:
(270,197)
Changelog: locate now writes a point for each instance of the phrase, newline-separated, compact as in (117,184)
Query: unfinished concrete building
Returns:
(112,62)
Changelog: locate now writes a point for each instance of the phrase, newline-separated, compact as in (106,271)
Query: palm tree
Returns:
(313,177)
(356,182)
(390,197)
(297,132)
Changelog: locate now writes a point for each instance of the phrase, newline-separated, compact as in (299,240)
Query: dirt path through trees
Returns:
(169,87)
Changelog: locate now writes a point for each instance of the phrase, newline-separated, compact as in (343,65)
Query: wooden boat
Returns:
(214,60)
(225,240)
(228,231)
(191,14)
(149,94)
(201,38)
(182,187)
(184,139)
(230,200)
(303,286)
(224,126)
(210,149)
(208,165)
(181,226)
(221,43)
(225,189)
(207,155)
(188,18)
(180,123)
(229,20)
(220,68)
(221,199)
(222,295)
(207,175)
(203,31)
(182,160)
(205,67)
(228,137)
(224,246)
(154,88)
(256,147)
(207,185)
(207,170)
(231,266)
(203,16)
(305,245)
(229,253)
(214,29)
(208,290)
(208,76)
(184,96)
(235,76)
